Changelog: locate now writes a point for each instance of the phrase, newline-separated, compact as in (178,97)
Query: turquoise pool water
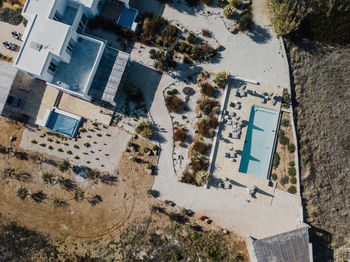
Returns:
(259,141)
(62,124)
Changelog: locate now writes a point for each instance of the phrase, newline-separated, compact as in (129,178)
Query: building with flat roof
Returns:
(56,49)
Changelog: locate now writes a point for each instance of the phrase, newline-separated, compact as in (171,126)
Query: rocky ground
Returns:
(321,84)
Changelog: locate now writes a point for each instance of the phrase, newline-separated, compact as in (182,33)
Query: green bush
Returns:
(144,129)
(221,79)
(235,3)
(199,147)
(48,178)
(170,31)
(10,16)
(293,180)
(191,38)
(285,122)
(292,171)
(163,60)
(291,163)
(284,180)
(22,193)
(291,148)
(245,22)
(283,140)
(274,177)
(229,10)
(276,160)
(292,189)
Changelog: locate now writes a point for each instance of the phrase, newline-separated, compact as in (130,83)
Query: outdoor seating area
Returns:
(241,98)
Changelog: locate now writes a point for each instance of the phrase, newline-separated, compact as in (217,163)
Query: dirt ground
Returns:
(78,229)
(321,84)
(285,155)
(122,200)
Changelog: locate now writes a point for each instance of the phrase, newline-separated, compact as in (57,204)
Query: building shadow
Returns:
(150,6)
(260,34)
(321,244)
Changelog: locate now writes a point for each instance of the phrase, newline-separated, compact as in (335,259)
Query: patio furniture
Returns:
(237,106)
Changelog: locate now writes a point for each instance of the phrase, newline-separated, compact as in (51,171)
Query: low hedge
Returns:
(10,16)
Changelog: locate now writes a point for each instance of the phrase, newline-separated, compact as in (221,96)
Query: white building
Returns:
(55,48)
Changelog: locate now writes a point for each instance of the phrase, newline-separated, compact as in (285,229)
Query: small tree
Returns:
(173,103)
(22,193)
(229,10)
(276,160)
(221,78)
(291,148)
(292,189)
(64,166)
(191,38)
(284,180)
(292,171)
(245,22)
(274,177)
(144,129)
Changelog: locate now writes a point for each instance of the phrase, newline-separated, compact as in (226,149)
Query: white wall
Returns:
(60,6)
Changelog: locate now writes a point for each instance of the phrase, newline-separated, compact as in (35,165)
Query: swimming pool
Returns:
(63,123)
(127,17)
(259,142)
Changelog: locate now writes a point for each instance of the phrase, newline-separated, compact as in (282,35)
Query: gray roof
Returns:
(292,246)
(109,75)
(7,74)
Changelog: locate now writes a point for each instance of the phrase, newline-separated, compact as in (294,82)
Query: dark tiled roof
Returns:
(292,246)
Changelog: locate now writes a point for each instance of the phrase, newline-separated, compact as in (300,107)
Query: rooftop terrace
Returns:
(69,15)
(76,75)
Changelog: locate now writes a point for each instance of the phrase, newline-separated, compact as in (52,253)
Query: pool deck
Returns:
(225,170)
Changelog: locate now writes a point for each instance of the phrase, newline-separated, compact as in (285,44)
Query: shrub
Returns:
(206,105)
(291,163)
(173,103)
(292,189)
(48,178)
(59,149)
(170,31)
(207,89)
(206,32)
(69,152)
(229,10)
(86,144)
(22,193)
(199,147)
(50,147)
(274,177)
(199,162)
(149,166)
(245,22)
(284,180)
(285,122)
(191,38)
(276,160)
(33,141)
(285,19)
(221,78)
(64,166)
(133,92)
(152,192)
(293,180)
(10,16)
(202,177)
(235,3)
(153,24)
(172,92)
(163,60)
(144,129)
(291,148)
(283,140)
(292,171)
(222,3)
(42,144)
(204,127)
(285,98)
(180,134)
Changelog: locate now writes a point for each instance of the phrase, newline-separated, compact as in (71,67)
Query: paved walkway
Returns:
(257,56)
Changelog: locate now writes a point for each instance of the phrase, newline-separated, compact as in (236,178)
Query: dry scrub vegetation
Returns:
(321,83)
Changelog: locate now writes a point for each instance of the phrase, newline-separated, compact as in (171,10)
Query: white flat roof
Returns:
(45,36)
(39,7)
